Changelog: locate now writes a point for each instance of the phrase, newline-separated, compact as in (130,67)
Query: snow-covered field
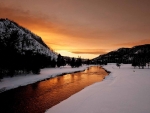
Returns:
(125,90)
(21,80)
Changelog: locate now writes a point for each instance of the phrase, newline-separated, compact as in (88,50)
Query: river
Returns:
(38,97)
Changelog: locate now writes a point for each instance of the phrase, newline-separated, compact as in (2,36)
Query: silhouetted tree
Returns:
(63,62)
(53,63)
(72,62)
(88,62)
(68,61)
(1,74)
(139,65)
(78,62)
(59,61)
(143,64)
(148,64)
(36,70)
(134,63)
(118,65)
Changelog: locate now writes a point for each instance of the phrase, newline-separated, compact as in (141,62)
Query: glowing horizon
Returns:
(79,28)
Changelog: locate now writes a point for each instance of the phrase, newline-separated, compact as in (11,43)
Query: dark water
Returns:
(38,97)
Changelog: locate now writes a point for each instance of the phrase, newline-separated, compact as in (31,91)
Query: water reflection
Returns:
(38,97)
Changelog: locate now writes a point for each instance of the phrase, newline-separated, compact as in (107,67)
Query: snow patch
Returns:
(22,80)
(125,90)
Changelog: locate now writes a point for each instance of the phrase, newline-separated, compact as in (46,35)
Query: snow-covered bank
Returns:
(125,90)
(10,83)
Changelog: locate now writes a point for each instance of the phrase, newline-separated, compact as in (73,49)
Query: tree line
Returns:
(13,63)
(15,60)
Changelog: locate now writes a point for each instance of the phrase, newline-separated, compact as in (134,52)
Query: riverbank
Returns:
(125,90)
(22,80)
(40,96)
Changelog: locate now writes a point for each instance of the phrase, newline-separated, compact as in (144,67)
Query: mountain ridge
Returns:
(21,50)
(126,55)
(26,40)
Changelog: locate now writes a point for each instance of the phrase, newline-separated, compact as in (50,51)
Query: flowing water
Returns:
(38,97)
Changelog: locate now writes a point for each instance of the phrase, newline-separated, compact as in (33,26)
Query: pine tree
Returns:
(118,65)
(134,63)
(59,62)
(53,63)
(72,62)
(88,62)
(148,64)
(63,62)
(1,73)
(78,62)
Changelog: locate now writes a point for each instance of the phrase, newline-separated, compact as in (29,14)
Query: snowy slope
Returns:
(24,39)
(22,80)
(125,90)
(126,55)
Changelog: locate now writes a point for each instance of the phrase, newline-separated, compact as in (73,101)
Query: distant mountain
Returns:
(126,55)
(21,50)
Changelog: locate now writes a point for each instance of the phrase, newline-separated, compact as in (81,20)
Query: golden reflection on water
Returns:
(59,88)
(38,97)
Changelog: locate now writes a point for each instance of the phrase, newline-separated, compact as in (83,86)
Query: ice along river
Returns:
(38,97)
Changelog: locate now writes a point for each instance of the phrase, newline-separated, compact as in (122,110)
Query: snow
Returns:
(22,80)
(24,36)
(125,90)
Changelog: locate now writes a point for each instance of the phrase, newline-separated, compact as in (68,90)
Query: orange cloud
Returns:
(78,29)
(26,19)
(40,22)
(88,51)
(131,44)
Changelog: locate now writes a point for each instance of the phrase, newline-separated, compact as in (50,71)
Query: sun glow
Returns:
(70,54)
(59,44)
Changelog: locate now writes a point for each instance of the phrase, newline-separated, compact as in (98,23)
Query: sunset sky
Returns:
(85,28)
